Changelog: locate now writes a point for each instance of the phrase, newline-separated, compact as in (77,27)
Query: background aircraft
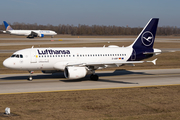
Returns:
(28,33)
(78,62)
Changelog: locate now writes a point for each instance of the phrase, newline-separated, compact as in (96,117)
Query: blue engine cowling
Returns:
(41,35)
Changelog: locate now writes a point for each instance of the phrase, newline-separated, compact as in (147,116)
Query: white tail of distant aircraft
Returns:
(28,33)
(78,62)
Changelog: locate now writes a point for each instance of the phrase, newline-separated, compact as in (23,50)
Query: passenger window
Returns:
(21,56)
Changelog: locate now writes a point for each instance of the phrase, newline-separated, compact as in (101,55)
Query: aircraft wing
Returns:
(102,64)
(32,34)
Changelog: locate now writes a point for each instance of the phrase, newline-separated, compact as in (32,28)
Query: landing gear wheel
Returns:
(30,78)
(94,77)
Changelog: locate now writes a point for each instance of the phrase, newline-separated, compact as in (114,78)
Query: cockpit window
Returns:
(21,56)
(17,56)
(13,55)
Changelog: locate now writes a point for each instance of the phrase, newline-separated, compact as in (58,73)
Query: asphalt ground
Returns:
(18,83)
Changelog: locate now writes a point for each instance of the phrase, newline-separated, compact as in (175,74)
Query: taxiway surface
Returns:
(43,41)
(17,83)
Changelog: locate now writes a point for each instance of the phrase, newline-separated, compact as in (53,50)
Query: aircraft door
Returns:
(33,57)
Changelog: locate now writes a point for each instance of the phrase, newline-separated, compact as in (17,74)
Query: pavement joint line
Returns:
(89,89)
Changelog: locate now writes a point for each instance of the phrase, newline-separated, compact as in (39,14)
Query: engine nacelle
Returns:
(75,72)
(41,35)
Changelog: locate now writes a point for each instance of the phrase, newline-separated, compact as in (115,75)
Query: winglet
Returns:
(153,61)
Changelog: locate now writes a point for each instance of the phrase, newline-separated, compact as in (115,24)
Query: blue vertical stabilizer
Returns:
(7,26)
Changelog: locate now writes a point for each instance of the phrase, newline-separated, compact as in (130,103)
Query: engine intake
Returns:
(75,72)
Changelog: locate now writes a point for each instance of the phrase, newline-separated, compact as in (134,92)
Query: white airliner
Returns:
(78,62)
(28,33)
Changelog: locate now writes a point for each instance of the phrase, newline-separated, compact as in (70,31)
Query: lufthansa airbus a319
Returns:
(78,62)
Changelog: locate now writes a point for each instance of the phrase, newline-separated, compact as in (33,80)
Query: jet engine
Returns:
(41,35)
(75,72)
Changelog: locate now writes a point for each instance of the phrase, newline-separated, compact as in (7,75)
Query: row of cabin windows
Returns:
(86,55)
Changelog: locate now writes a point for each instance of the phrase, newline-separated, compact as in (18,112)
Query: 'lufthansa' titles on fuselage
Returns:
(44,52)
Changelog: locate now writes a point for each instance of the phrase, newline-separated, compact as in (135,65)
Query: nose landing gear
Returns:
(30,76)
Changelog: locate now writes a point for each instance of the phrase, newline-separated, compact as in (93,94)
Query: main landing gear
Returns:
(94,77)
(30,76)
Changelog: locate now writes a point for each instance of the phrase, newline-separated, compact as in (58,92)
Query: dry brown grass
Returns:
(146,103)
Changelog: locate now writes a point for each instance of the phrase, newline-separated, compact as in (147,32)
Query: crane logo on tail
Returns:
(147,38)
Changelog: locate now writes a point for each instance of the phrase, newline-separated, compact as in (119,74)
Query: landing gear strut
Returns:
(30,76)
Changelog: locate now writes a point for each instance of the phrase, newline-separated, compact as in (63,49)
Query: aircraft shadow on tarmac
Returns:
(61,75)
(118,72)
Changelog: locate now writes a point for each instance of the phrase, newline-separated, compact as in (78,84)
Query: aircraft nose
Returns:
(6,63)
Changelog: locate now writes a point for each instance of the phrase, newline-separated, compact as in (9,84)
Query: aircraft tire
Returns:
(94,77)
(30,78)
